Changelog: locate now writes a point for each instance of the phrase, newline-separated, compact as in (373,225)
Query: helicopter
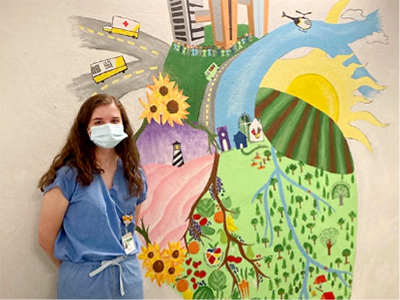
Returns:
(302,22)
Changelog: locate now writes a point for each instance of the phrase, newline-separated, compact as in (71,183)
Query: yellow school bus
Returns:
(123,26)
(104,69)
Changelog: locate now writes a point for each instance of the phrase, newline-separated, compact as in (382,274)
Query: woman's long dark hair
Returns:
(79,150)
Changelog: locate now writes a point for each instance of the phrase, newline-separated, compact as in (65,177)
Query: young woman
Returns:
(91,205)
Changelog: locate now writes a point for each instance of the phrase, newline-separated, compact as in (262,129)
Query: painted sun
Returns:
(327,84)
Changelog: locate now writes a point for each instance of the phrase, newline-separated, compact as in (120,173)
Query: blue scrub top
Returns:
(92,229)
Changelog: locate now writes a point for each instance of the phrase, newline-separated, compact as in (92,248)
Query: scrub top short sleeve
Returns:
(65,180)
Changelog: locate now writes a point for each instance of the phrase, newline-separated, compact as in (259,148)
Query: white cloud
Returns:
(353,14)
(377,37)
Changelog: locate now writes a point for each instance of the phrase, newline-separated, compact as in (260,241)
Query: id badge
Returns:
(128,242)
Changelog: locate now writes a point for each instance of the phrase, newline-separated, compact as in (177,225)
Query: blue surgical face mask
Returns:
(107,135)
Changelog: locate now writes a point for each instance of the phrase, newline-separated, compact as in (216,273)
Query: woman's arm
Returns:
(137,214)
(54,206)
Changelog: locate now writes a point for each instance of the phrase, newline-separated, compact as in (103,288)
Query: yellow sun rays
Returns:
(326,84)
(165,103)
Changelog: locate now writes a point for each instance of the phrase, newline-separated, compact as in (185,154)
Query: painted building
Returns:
(223,137)
(184,26)
(177,160)
(256,133)
(240,140)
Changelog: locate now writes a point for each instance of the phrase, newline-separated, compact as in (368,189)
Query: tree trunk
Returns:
(329,246)
(340,200)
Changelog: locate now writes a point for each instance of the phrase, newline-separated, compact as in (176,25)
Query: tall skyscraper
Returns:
(224,22)
(184,26)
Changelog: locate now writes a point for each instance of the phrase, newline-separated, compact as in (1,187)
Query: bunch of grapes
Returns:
(195,231)
(219,187)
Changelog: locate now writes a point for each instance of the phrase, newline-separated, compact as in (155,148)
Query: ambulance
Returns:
(123,26)
(104,69)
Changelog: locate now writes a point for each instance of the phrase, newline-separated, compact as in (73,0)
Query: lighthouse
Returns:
(177,160)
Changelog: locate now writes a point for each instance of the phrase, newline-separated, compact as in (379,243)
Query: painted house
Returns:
(223,137)
(240,140)
(256,133)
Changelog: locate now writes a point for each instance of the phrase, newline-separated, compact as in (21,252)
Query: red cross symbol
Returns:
(125,23)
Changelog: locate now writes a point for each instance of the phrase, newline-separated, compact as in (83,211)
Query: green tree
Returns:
(273,182)
(279,155)
(292,168)
(299,199)
(288,248)
(338,261)
(254,222)
(289,210)
(308,247)
(340,191)
(287,170)
(267,260)
(352,215)
(308,177)
(277,229)
(281,291)
(261,221)
(311,269)
(310,226)
(257,210)
(277,281)
(301,165)
(328,238)
(281,210)
(314,238)
(267,153)
(278,249)
(313,213)
(304,217)
(284,264)
(270,285)
(341,221)
(265,240)
(346,253)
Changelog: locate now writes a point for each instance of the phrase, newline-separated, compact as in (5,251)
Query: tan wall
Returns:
(39,57)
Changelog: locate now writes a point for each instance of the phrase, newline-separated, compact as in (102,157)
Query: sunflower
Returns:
(153,109)
(157,270)
(150,254)
(161,87)
(175,108)
(175,253)
(172,271)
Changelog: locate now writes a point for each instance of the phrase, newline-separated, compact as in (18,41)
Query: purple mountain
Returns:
(155,143)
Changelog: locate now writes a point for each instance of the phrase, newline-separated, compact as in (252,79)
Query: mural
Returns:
(252,190)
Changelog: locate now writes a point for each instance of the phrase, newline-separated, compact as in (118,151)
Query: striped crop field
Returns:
(302,132)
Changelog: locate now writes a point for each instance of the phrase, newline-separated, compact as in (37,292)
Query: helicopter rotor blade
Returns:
(307,13)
